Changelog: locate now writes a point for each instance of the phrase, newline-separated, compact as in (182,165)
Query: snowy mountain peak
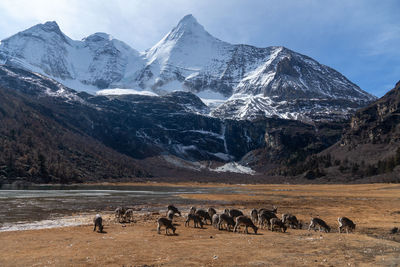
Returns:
(189,18)
(188,27)
(273,81)
(188,24)
(51,26)
(45,30)
(98,36)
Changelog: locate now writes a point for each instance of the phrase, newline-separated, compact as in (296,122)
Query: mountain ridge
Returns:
(188,58)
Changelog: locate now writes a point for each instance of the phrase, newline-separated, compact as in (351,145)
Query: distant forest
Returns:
(35,148)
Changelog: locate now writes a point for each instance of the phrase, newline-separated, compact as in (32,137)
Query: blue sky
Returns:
(359,38)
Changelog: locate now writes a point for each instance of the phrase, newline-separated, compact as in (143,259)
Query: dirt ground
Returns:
(375,208)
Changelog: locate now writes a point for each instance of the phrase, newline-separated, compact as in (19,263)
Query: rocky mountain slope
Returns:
(249,82)
(36,147)
(369,146)
(172,127)
(374,131)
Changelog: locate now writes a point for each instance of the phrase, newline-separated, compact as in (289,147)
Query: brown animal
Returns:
(265,217)
(211,211)
(119,213)
(167,223)
(215,220)
(128,216)
(225,219)
(254,215)
(277,224)
(291,221)
(321,225)
(345,222)
(247,222)
(196,220)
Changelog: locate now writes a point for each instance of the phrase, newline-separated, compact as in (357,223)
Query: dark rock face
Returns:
(376,124)
(369,148)
(35,147)
(142,126)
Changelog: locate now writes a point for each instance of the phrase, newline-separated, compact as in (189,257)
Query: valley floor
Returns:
(375,208)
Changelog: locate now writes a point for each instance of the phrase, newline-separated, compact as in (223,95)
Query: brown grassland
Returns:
(375,208)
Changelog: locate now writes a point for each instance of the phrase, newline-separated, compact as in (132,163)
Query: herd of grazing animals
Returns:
(231,219)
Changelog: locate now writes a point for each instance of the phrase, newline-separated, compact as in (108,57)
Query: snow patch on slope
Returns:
(234,167)
(121,91)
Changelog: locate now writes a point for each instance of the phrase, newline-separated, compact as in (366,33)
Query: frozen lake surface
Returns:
(47,206)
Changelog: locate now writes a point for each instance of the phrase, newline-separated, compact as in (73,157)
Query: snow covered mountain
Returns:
(236,81)
(88,65)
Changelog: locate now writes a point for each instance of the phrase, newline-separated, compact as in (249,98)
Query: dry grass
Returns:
(374,208)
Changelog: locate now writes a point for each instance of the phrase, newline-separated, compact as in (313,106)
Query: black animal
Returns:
(235,213)
(204,215)
(174,209)
(273,210)
(98,222)
(277,224)
(321,225)
(345,222)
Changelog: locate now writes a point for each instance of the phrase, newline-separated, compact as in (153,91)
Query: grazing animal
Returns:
(345,222)
(225,219)
(277,224)
(174,209)
(119,213)
(167,223)
(254,215)
(128,216)
(291,221)
(196,220)
(211,211)
(215,220)
(320,223)
(192,210)
(273,210)
(98,222)
(247,222)
(394,230)
(235,213)
(264,218)
(204,215)
(170,214)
